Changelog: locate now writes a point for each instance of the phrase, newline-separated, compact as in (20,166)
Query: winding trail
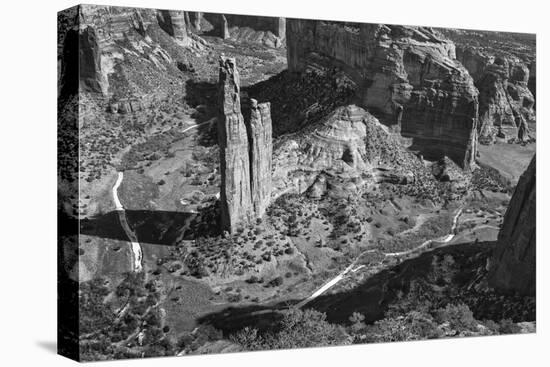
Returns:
(331,283)
(137,253)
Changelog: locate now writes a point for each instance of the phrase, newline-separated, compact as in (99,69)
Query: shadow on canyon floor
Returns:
(152,227)
(373,297)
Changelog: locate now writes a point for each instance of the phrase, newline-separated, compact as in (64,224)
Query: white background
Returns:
(28,195)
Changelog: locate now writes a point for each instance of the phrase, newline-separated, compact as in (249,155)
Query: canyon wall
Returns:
(270,31)
(407,76)
(513,266)
(109,35)
(245,152)
(173,22)
(505,100)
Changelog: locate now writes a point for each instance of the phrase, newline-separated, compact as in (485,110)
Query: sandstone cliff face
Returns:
(245,152)
(406,75)
(348,144)
(235,195)
(513,266)
(270,31)
(110,35)
(173,23)
(91,77)
(504,96)
(260,140)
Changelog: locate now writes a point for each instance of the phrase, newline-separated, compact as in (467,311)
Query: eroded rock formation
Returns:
(245,152)
(270,31)
(91,76)
(235,195)
(260,140)
(349,144)
(109,35)
(504,96)
(406,75)
(173,23)
(513,266)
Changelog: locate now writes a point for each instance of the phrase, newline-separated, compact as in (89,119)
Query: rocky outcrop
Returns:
(504,96)
(245,152)
(235,195)
(195,18)
(269,31)
(91,77)
(173,23)
(408,76)
(349,145)
(110,35)
(513,266)
(260,140)
(224,27)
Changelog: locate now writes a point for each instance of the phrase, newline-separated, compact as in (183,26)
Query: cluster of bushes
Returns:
(112,320)
(297,329)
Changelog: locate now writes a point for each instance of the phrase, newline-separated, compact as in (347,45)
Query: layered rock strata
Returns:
(235,194)
(408,76)
(245,152)
(270,31)
(108,35)
(173,23)
(513,266)
(260,140)
(504,96)
(349,144)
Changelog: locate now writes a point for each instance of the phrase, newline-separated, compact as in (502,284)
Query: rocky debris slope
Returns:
(349,144)
(503,66)
(269,31)
(504,97)
(245,152)
(406,75)
(122,48)
(513,266)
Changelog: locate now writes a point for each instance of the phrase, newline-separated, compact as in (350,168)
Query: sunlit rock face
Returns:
(269,31)
(235,195)
(173,23)
(260,140)
(109,36)
(245,152)
(349,144)
(505,99)
(513,266)
(406,75)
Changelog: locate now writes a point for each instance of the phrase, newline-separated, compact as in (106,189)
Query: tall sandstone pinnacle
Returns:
(235,196)
(245,152)
(513,265)
(260,140)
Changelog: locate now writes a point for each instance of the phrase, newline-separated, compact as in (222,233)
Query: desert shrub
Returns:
(297,329)
(276,282)
(413,326)
(459,317)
